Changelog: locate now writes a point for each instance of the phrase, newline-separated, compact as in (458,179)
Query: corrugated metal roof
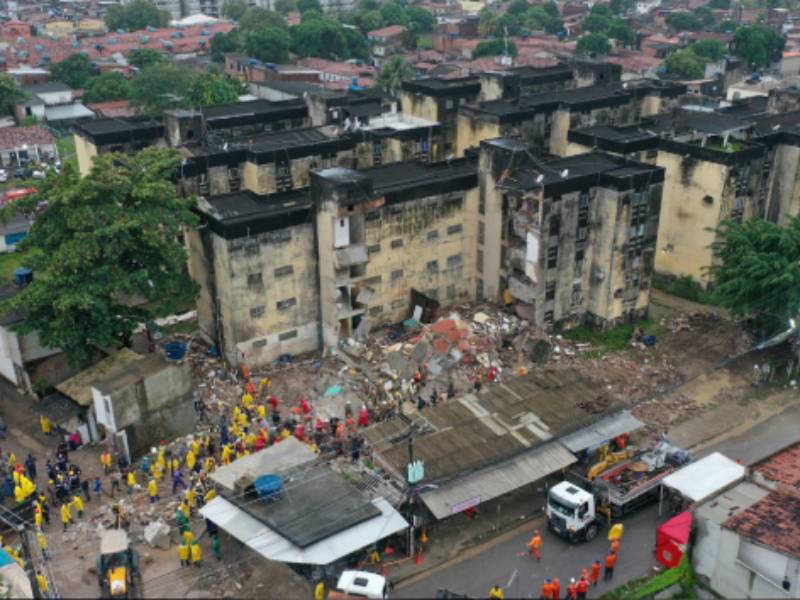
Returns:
(453,497)
(601,431)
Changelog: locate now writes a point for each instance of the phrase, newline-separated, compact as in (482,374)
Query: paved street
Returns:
(477,569)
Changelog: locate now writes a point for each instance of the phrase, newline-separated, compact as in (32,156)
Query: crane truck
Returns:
(574,510)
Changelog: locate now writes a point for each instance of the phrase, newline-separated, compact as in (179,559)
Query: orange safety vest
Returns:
(610,560)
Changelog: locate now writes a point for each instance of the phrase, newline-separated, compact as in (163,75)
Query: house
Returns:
(20,145)
(26,76)
(18,351)
(385,42)
(143,400)
(52,93)
(119,134)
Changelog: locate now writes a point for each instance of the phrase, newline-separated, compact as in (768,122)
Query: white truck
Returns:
(356,585)
(572,511)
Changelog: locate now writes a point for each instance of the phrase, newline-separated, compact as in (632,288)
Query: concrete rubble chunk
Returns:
(157,535)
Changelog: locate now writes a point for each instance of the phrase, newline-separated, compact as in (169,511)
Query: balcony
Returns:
(522,288)
(352,255)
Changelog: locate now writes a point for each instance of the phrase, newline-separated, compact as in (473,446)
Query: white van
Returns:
(360,584)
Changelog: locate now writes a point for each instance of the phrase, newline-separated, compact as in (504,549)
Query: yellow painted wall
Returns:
(651,105)
(424,107)
(85,151)
(573,148)
(683,241)
(471,132)
(558,132)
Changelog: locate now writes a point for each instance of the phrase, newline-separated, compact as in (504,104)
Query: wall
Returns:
(85,151)
(784,195)
(471,131)
(490,220)
(683,241)
(10,356)
(558,132)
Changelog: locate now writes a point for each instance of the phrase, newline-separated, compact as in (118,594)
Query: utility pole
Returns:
(411,496)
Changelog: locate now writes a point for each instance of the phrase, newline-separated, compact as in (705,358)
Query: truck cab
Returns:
(357,585)
(571,512)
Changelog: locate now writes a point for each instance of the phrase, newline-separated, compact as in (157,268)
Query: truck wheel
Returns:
(591,532)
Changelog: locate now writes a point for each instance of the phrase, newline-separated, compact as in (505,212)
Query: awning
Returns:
(601,431)
(271,545)
(488,483)
(705,477)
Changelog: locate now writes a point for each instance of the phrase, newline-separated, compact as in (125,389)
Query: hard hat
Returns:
(572,580)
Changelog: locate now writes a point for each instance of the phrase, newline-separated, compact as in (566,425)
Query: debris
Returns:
(157,535)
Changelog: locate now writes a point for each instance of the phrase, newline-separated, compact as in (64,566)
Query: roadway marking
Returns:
(513,577)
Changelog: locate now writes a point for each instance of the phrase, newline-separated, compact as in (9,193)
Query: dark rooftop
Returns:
(709,122)
(621,140)
(246,213)
(436,86)
(288,143)
(320,504)
(751,107)
(49,87)
(773,522)
(774,123)
(297,88)
(253,108)
(116,129)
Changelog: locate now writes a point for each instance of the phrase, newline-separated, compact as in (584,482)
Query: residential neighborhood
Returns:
(226,370)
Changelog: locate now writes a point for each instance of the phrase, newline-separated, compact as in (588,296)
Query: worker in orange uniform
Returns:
(556,595)
(585,573)
(583,588)
(536,545)
(572,589)
(611,560)
(595,576)
(615,546)
(547,590)
(496,593)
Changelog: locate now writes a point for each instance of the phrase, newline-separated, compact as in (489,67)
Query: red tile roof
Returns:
(783,467)
(16,137)
(385,32)
(773,521)
(115,108)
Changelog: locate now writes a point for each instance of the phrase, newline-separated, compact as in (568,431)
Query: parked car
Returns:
(38,174)
(3,175)
(22,173)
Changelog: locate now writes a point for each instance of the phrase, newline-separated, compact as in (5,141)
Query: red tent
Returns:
(671,539)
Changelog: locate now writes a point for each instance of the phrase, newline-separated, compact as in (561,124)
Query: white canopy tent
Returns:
(704,478)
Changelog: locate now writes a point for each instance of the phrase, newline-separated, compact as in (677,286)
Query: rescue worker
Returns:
(210,495)
(78,502)
(572,589)
(556,589)
(611,560)
(535,545)
(41,581)
(191,460)
(547,589)
(66,515)
(615,544)
(197,555)
(583,588)
(47,427)
(105,461)
(319,591)
(183,554)
(38,517)
(215,549)
(42,544)
(152,490)
(595,576)
(131,481)
(188,537)
(496,593)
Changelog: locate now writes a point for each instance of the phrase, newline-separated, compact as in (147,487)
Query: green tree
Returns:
(105,87)
(104,239)
(420,20)
(756,271)
(685,64)
(10,94)
(684,21)
(368,5)
(593,43)
(268,45)
(75,71)
(161,87)
(597,23)
(357,46)
(368,20)
(495,47)
(758,45)
(393,14)
(256,18)
(705,15)
(620,6)
(600,9)
(213,87)
(719,4)
(487,23)
(551,8)
(727,26)
(234,9)
(711,50)
(223,43)
(136,15)
(517,7)
(622,32)
(322,38)
(306,5)
(393,74)
(144,57)
(284,7)
(508,25)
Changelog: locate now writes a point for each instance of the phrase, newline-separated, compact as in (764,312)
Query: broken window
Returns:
(454,261)
(579,255)
(260,343)
(432,265)
(433,235)
(481,232)
(288,335)
(254,280)
(548,317)
(552,257)
(374,248)
(283,271)
(398,243)
(550,290)
(286,304)
(480,261)
(397,274)
(455,229)
(373,215)
(256,312)
(555,225)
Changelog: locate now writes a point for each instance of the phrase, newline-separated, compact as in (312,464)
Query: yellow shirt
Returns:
(183,552)
(319,591)
(210,495)
(42,540)
(188,537)
(152,488)
(66,513)
(42,583)
(78,503)
(131,479)
(262,411)
(247,400)
(197,553)
(190,459)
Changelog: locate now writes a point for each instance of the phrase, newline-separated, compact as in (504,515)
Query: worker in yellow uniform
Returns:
(42,544)
(191,499)
(19,495)
(188,537)
(78,502)
(191,460)
(41,581)
(319,591)
(47,427)
(210,495)
(247,401)
(197,555)
(38,517)
(496,593)
(183,554)
(66,515)
(131,481)
(226,455)
(152,490)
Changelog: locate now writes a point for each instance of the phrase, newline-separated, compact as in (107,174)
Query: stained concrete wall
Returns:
(85,151)
(470,132)
(784,193)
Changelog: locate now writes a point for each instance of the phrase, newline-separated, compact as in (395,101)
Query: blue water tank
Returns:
(120,31)
(204,32)
(23,276)
(175,350)
(144,39)
(269,487)
(39,47)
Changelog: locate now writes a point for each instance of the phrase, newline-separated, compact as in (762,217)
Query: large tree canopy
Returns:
(104,240)
(10,94)
(269,44)
(593,43)
(757,271)
(105,87)
(138,14)
(161,87)
(758,45)
(75,71)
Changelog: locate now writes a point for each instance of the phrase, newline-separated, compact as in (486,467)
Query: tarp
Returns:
(601,431)
(453,497)
(14,582)
(705,477)
(271,545)
(671,539)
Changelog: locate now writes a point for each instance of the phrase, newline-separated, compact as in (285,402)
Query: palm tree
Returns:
(393,74)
